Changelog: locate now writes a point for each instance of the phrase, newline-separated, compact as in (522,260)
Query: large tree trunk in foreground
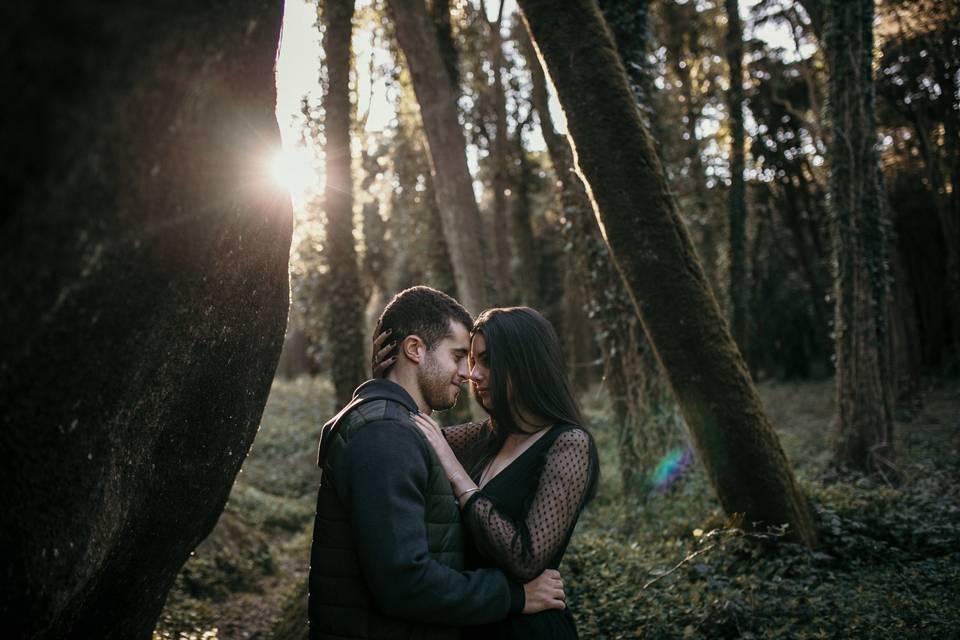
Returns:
(417,37)
(648,241)
(863,379)
(143,301)
(345,304)
(737,196)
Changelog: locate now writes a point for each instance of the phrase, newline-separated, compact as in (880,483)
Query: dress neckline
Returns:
(519,456)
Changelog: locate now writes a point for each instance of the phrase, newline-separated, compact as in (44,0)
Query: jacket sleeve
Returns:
(381,476)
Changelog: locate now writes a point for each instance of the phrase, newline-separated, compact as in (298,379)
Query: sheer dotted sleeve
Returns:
(464,439)
(525,548)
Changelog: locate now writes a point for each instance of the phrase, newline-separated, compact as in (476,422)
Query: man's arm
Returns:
(381,476)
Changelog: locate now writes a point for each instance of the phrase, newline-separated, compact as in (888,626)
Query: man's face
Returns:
(444,369)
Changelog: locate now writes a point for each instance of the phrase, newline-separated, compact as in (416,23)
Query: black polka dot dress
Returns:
(522,519)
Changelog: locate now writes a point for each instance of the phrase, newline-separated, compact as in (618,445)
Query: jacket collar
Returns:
(383,388)
(377,389)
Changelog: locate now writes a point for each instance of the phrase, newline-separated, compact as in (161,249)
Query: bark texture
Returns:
(144,297)
(437,97)
(863,376)
(345,313)
(739,289)
(651,248)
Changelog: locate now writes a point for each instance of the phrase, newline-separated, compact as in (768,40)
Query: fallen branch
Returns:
(681,563)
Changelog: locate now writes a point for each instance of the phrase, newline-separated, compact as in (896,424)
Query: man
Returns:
(387,556)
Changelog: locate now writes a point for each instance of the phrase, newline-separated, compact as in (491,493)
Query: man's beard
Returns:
(435,387)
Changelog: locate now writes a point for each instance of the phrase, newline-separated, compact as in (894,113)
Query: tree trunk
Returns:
(631,379)
(438,266)
(525,271)
(376,259)
(865,421)
(651,248)
(629,22)
(143,299)
(499,183)
(950,216)
(737,196)
(346,337)
(437,97)
(440,13)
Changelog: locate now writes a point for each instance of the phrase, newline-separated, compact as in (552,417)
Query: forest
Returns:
(741,218)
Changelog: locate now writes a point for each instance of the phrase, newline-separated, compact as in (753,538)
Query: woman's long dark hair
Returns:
(527,366)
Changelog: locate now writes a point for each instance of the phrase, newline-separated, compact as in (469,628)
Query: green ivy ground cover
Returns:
(887,566)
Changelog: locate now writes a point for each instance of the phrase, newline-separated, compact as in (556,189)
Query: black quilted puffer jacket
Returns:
(387,553)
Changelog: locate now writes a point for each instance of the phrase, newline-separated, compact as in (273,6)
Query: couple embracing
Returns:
(423,532)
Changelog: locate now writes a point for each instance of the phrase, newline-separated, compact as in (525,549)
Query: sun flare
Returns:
(294,170)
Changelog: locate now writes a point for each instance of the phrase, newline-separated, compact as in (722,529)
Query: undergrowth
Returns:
(664,565)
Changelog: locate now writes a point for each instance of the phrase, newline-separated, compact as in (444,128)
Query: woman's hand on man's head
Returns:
(384,355)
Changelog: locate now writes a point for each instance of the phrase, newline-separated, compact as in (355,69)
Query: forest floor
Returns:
(887,564)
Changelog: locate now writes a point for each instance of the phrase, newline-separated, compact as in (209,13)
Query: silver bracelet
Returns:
(468,491)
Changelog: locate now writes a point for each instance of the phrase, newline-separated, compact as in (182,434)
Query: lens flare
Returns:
(670,468)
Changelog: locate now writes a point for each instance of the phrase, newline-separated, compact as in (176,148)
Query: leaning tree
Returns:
(652,249)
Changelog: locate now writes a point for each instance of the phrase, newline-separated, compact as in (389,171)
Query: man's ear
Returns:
(413,348)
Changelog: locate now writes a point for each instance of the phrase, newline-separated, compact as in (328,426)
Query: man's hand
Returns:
(544,592)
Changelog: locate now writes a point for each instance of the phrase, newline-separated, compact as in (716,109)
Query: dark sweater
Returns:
(387,552)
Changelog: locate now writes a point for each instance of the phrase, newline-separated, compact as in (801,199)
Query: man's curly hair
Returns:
(422,311)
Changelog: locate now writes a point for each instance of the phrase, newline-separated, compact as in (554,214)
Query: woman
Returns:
(522,476)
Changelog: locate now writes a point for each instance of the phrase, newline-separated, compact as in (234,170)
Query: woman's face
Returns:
(480,371)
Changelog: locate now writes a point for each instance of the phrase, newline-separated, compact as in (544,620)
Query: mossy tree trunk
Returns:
(643,406)
(633,380)
(143,300)
(437,96)
(345,306)
(863,377)
(650,246)
(739,288)
(439,269)
(629,22)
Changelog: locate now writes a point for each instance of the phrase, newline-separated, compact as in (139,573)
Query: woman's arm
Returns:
(463,438)
(453,466)
(524,548)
